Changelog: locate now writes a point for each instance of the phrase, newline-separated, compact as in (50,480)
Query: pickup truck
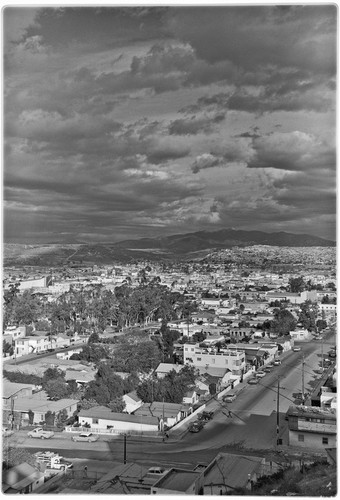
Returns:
(39,432)
(52,460)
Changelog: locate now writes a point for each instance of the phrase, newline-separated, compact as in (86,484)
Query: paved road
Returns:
(252,426)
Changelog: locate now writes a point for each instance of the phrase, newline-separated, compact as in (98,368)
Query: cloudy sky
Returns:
(130,122)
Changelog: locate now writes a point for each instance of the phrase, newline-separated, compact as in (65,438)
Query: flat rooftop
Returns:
(177,480)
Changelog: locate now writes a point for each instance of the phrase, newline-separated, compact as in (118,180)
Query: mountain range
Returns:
(178,246)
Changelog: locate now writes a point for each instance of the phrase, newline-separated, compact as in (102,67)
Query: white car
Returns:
(277,362)
(296,349)
(86,436)
(39,432)
(260,374)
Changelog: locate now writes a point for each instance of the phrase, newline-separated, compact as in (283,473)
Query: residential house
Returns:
(227,472)
(257,353)
(178,482)
(31,344)
(102,419)
(312,427)
(132,401)
(300,335)
(169,413)
(125,479)
(22,479)
(164,369)
(38,404)
(191,397)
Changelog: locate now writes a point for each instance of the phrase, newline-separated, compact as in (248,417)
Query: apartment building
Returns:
(233,360)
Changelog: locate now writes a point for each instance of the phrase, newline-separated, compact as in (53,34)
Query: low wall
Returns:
(187,419)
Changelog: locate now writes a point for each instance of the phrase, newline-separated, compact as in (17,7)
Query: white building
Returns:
(197,356)
(102,419)
(312,427)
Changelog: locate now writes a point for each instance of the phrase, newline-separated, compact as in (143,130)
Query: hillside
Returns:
(180,246)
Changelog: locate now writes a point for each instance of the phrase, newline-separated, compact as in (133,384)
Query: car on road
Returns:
(229,398)
(196,426)
(277,362)
(260,374)
(253,381)
(207,415)
(6,432)
(296,348)
(40,433)
(332,353)
(86,436)
(267,369)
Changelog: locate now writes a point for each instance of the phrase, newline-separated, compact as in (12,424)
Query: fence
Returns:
(111,432)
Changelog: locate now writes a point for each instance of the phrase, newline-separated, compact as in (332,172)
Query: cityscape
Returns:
(169,250)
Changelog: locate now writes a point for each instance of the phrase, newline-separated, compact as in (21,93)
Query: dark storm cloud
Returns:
(251,36)
(102,26)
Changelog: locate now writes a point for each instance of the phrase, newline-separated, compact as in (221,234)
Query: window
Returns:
(95,420)
(301,437)
(324,440)
(199,359)
(213,361)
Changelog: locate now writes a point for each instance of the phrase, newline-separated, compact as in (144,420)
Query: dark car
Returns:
(196,426)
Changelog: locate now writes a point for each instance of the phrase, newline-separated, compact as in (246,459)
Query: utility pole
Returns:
(322,354)
(303,379)
(124,448)
(278,411)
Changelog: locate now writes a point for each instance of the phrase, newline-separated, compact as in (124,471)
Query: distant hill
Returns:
(178,246)
(225,238)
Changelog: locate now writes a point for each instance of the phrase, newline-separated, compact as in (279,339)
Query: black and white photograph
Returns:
(169,280)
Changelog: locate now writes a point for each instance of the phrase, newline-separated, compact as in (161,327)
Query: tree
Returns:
(98,391)
(52,374)
(56,389)
(283,322)
(117,404)
(93,338)
(297,285)
(308,315)
(16,456)
(321,324)
(30,417)
(7,348)
(136,354)
(50,418)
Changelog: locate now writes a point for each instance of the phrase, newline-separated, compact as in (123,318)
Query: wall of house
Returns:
(311,440)
(117,425)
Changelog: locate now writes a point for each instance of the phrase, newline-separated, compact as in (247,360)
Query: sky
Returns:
(128,122)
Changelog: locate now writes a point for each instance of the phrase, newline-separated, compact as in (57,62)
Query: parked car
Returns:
(156,470)
(6,432)
(39,432)
(260,374)
(196,426)
(267,369)
(296,348)
(277,362)
(229,398)
(253,381)
(207,415)
(332,353)
(86,436)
